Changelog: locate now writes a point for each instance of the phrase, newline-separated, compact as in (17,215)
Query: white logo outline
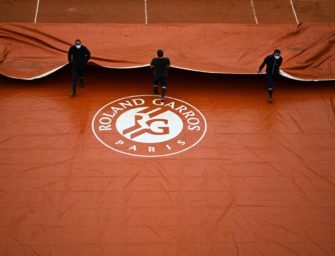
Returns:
(148,156)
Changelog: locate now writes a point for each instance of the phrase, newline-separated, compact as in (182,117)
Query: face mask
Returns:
(78,46)
(277,57)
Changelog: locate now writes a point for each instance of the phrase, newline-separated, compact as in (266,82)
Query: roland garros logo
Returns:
(144,126)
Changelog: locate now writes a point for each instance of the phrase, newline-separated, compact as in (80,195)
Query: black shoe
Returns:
(73,94)
(162,99)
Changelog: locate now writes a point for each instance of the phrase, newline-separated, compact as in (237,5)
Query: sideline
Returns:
(254,11)
(36,11)
(295,14)
(146,11)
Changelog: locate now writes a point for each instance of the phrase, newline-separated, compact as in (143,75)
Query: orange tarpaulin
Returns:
(29,51)
(260,182)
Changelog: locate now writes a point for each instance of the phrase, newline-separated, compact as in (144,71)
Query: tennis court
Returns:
(241,176)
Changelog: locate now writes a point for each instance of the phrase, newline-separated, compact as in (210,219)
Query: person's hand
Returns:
(259,71)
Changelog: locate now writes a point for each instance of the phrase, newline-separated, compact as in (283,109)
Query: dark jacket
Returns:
(272,65)
(78,56)
(160,66)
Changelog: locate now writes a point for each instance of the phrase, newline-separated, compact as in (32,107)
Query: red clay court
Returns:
(215,170)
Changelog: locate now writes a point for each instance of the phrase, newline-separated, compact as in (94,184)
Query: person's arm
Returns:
(168,64)
(280,62)
(262,65)
(152,64)
(70,55)
(88,54)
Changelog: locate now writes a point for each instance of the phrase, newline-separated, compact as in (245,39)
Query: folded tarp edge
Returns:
(283,73)
(29,51)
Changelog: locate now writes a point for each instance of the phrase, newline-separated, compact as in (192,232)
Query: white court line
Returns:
(254,11)
(36,12)
(295,14)
(146,11)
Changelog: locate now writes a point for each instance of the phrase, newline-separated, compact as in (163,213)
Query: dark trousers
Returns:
(78,71)
(160,81)
(270,78)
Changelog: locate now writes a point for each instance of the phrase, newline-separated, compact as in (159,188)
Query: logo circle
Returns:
(143,126)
